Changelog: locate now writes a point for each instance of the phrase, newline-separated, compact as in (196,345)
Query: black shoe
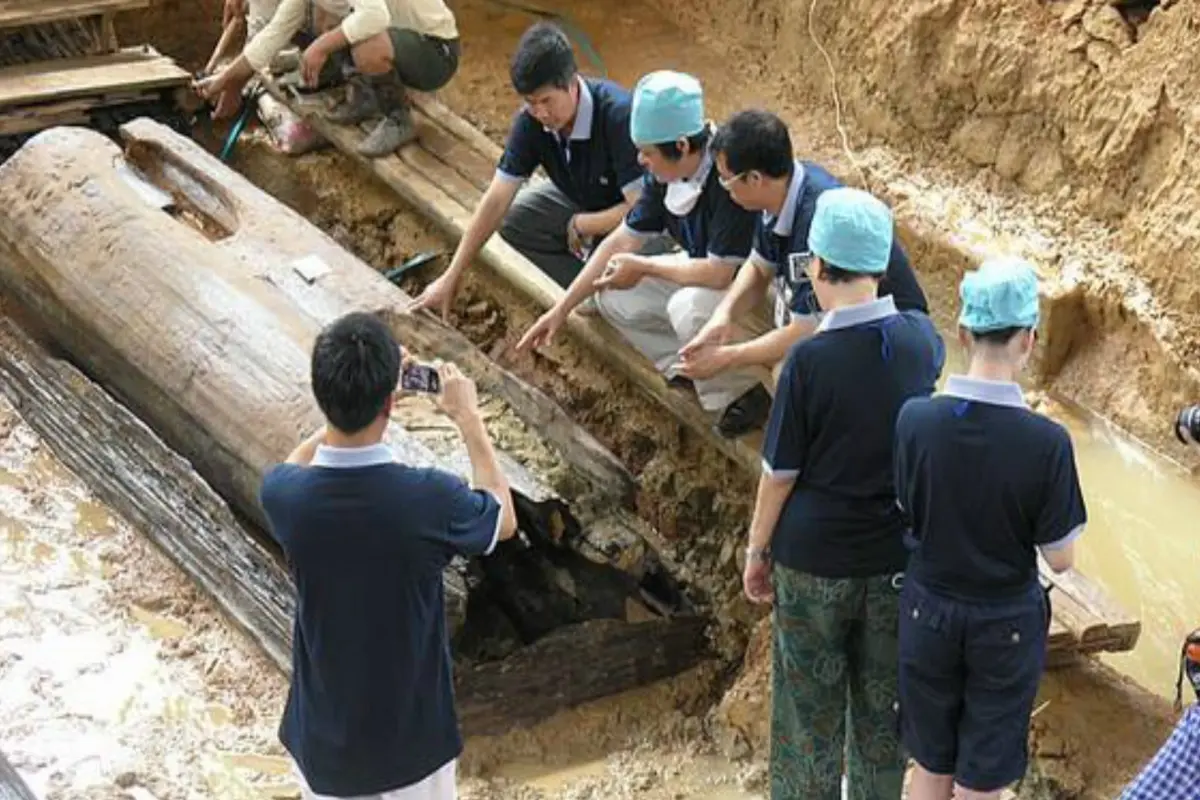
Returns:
(748,413)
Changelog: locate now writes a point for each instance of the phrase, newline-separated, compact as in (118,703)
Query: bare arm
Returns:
(749,287)
(602,223)
(621,240)
(304,452)
(771,348)
(712,273)
(772,494)
(484,222)
(486,472)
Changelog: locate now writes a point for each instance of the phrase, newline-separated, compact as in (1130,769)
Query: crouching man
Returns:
(394,45)
(370,710)
(753,154)
(577,130)
(660,302)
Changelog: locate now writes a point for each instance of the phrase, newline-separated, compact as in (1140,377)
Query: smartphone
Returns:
(420,378)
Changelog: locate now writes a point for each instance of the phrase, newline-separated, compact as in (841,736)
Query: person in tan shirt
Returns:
(394,45)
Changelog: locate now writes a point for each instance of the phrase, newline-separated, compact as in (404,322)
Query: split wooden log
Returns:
(198,313)
(138,476)
(201,320)
(12,787)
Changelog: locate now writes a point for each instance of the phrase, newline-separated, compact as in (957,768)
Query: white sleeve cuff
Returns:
(738,260)
(1064,541)
(632,186)
(496,531)
(760,261)
(779,474)
(640,234)
(508,177)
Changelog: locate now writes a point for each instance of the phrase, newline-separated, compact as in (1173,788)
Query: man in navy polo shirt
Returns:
(370,711)
(660,302)
(754,158)
(826,539)
(577,130)
(986,484)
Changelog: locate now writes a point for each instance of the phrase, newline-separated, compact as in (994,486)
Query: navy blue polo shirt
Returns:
(370,707)
(777,237)
(595,164)
(715,227)
(984,481)
(831,430)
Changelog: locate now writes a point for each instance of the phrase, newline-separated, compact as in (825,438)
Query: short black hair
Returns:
(755,140)
(831,273)
(543,58)
(696,144)
(1000,337)
(355,368)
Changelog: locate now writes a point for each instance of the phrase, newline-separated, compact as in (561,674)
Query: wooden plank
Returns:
(1122,626)
(59,79)
(1078,618)
(12,787)
(18,13)
(422,183)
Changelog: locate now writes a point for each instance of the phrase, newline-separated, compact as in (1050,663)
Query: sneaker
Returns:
(748,413)
(393,132)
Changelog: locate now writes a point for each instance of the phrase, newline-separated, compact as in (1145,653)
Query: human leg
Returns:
(875,763)
(930,688)
(536,226)
(689,309)
(641,316)
(389,64)
(1005,653)
(808,685)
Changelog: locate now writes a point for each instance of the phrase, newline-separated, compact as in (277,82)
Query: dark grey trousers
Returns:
(536,226)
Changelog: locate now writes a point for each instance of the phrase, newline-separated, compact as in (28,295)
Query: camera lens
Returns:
(1189,421)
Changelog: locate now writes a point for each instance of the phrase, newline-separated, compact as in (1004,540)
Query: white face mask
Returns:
(682,195)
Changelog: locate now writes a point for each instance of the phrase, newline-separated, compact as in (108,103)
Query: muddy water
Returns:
(1140,541)
(116,679)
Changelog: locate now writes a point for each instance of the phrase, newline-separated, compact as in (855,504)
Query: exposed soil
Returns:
(1060,131)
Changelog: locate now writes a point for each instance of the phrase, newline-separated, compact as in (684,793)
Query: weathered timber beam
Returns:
(585,662)
(12,787)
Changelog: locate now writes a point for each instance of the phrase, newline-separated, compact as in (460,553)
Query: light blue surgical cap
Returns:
(1002,293)
(667,106)
(851,230)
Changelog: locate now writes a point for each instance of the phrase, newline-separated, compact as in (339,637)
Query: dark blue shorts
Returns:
(969,674)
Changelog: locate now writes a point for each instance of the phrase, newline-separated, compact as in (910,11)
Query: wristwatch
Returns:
(758,554)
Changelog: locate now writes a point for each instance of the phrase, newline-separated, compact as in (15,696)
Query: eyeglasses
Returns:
(730,181)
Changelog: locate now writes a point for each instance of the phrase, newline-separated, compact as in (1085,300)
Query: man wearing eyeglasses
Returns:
(753,156)
(659,303)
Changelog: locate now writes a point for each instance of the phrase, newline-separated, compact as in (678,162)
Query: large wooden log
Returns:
(199,319)
(136,474)
(11,785)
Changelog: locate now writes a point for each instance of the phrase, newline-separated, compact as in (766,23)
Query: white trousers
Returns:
(438,786)
(658,318)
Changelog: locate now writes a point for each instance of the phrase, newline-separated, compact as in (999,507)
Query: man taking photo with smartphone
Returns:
(370,710)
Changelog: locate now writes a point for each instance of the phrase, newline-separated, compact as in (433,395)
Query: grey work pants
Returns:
(536,226)
(659,317)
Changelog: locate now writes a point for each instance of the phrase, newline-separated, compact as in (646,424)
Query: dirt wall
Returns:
(1067,127)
